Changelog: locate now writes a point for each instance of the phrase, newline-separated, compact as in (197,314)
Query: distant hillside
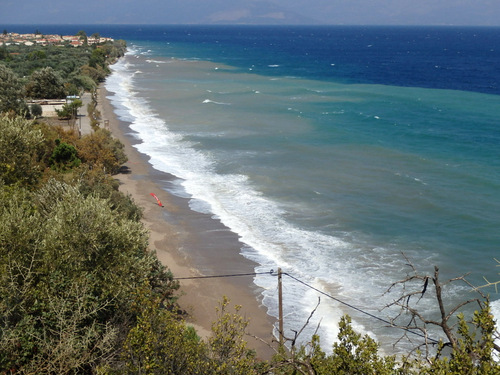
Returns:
(257,12)
(191,12)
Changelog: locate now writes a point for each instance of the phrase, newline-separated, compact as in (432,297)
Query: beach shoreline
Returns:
(190,244)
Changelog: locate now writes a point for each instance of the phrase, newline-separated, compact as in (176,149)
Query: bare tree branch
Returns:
(416,284)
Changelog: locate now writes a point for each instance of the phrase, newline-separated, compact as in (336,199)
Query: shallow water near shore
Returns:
(328,179)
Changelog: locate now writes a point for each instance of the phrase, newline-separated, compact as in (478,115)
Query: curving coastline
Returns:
(190,244)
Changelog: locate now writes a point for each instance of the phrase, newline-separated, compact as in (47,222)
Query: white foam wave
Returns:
(336,266)
(207,101)
(259,221)
(157,61)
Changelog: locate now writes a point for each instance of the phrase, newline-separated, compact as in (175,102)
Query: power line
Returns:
(360,310)
(272,273)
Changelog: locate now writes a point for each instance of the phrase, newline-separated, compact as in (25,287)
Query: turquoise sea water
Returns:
(331,179)
(329,151)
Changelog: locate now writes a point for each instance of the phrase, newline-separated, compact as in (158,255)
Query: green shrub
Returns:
(36,110)
(20,143)
(64,157)
(11,91)
(45,83)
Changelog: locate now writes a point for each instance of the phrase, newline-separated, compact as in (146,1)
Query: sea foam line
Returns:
(224,195)
(270,238)
(257,220)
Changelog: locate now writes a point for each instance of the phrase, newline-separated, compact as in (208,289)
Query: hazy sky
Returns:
(357,12)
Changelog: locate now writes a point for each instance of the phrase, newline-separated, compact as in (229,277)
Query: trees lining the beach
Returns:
(49,72)
(101,149)
(20,144)
(45,83)
(11,91)
(71,258)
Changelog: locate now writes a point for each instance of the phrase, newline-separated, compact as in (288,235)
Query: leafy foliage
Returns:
(98,58)
(227,345)
(77,68)
(70,264)
(20,142)
(95,181)
(100,149)
(71,257)
(351,354)
(11,92)
(474,352)
(45,83)
(161,344)
(36,110)
(69,109)
(64,157)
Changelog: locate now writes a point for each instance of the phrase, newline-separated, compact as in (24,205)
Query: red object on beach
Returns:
(159,202)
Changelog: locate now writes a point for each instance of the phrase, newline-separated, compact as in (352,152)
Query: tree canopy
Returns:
(20,142)
(11,91)
(45,83)
(52,72)
(70,260)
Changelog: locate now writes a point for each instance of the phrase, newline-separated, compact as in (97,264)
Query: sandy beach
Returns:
(191,244)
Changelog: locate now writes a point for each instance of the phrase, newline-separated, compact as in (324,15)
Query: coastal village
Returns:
(49,106)
(8,39)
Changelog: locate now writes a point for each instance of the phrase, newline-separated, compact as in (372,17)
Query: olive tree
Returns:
(19,144)
(11,91)
(45,83)
(100,149)
(69,267)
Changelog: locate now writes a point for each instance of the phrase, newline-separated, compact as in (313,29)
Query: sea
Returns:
(351,157)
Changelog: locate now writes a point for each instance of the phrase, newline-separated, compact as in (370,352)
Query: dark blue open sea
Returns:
(330,151)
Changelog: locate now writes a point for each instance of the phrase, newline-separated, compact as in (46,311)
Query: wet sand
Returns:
(191,244)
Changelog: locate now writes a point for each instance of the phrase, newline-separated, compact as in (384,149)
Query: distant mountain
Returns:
(243,12)
(256,12)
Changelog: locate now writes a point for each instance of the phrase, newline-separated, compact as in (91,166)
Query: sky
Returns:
(336,12)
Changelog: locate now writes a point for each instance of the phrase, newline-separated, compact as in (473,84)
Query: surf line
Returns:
(155,197)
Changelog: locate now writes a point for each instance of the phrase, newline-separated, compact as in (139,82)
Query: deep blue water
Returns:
(456,58)
(329,150)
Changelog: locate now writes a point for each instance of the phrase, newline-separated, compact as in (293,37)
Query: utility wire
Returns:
(360,310)
(272,273)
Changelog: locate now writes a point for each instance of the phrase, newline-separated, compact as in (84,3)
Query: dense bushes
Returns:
(100,149)
(69,266)
(20,143)
(11,91)
(72,254)
(45,83)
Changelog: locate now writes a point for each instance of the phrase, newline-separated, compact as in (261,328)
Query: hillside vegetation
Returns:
(52,71)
